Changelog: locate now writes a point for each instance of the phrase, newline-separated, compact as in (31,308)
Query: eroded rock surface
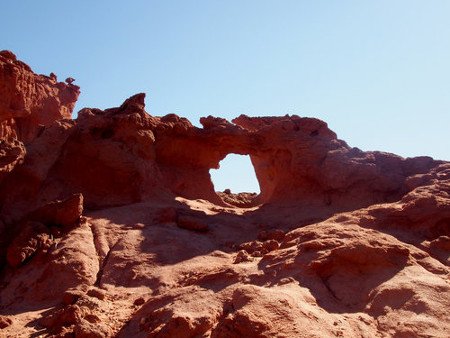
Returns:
(110,226)
(30,102)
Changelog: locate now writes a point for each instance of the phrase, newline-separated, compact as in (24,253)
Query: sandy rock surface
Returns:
(110,226)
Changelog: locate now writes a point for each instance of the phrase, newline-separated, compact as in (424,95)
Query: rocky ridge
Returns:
(110,225)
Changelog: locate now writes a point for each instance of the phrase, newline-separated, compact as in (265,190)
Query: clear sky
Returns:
(377,72)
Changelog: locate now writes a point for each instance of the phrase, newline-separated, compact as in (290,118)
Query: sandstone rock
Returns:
(243,199)
(242,256)
(254,312)
(40,158)
(258,249)
(251,247)
(12,153)
(166,215)
(71,296)
(34,232)
(179,318)
(340,242)
(66,316)
(29,101)
(270,245)
(5,322)
(277,235)
(97,293)
(85,329)
(192,223)
(65,213)
(34,236)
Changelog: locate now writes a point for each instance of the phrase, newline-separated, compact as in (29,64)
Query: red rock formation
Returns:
(29,102)
(340,242)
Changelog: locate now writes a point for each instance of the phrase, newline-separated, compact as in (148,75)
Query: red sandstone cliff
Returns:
(110,226)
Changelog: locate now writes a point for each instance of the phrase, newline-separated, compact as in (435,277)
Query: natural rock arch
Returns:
(297,161)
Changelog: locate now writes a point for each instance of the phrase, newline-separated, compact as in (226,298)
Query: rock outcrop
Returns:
(110,225)
(31,102)
(28,104)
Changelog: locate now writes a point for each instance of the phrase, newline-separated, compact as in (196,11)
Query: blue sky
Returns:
(376,71)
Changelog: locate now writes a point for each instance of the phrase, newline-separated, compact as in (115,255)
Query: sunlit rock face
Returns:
(110,225)
(31,102)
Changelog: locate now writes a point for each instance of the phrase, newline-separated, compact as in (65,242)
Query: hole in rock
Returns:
(235,181)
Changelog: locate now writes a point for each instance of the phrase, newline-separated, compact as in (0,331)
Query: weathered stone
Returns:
(340,242)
